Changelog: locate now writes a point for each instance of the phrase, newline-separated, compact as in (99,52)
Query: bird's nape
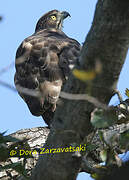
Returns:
(52,19)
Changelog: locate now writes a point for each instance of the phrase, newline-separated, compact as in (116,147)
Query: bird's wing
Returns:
(43,63)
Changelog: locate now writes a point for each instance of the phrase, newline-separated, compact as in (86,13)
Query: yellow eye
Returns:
(53,18)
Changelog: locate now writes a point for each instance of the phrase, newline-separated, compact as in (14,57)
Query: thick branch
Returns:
(35,138)
(107,42)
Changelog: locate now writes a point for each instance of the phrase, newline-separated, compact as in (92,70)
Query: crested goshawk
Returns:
(43,64)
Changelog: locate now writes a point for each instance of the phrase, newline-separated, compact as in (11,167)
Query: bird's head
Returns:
(52,19)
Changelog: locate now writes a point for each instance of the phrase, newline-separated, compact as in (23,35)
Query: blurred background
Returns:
(18,22)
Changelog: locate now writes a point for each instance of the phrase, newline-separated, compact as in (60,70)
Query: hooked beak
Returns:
(65,14)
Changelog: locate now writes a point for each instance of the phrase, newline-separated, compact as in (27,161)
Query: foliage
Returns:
(127,92)
(5,150)
(103,118)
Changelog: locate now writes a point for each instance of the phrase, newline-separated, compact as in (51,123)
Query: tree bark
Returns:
(35,137)
(106,42)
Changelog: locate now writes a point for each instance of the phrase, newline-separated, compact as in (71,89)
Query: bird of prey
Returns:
(43,64)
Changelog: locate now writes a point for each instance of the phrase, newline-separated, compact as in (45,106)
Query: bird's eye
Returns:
(53,18)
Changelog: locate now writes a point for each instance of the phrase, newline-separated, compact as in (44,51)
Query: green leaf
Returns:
(17,167)
(103,155)
(95,176)
(8,166)
(11,139)
(127,92)
(101,135)
(90,147)
(84,75)
(5,139)
(4,153)
(124,139)
(103,118)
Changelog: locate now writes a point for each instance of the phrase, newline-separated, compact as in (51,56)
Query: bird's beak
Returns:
(65,14)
